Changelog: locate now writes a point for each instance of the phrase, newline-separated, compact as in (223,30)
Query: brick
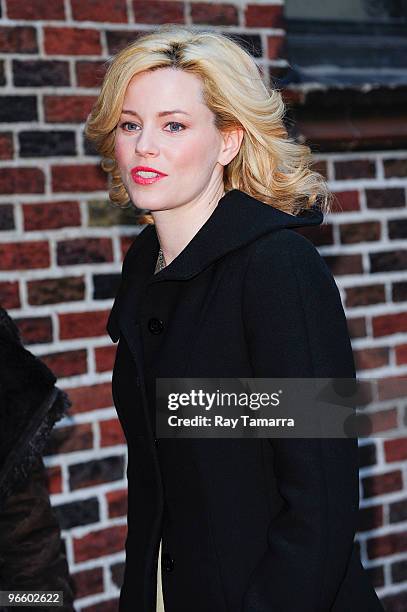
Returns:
(35,9)
(382,483)
(35,330)
(399,291)
(385,198)
(367,455)
(104,358)
(88,582)
(395,449)
(6,217)
(6,146)
(351,233)
(21,180)
(389,544)
(369,358)
(257,16)
(394,603)
(125,243)
(18,108)
(72,41)
(118,39)
(276,47)
(251,42)
(398,511)
(385,325)
(69,439)
(344,264)
(40,73)
(365,295)
(88,398)
(84,250)
(117,503)
(54,479)
(111,433)
(102,213)
(85,177)
(56,290)
(90,73)
(209,13)
(24,255)
(401,354)
(94,10)
(399,571)
(99,543)
(83,324)
(9,295)
(67,363)
(105,286)
(18,40)
(107,605)
(51,215)
(156,11)
(320,235)
(40,143)
(97,471)
(375,575)
(370,518)
(67,109)
(395,168)
(320,166)
(391,387)
(357,327)
(383,420)
(397,228)
(345,201)
(117,572)
(77,513)
(354,169)
(388,261)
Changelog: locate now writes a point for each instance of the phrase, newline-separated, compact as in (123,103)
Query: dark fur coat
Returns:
(31,555)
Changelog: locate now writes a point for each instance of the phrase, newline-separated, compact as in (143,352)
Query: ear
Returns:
(232,139)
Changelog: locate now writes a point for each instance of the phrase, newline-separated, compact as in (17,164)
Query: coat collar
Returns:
(238,220)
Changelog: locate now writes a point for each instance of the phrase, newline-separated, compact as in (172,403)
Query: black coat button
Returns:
(167,562)
(155,325)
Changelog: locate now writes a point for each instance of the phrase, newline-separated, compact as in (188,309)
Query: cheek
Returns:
(196,153)
(121,151)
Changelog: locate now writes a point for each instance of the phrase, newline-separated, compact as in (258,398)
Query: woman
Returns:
(219,285)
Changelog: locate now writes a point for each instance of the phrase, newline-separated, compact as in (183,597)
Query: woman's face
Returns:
(185,146)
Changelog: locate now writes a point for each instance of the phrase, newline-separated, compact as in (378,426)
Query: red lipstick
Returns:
(152,175)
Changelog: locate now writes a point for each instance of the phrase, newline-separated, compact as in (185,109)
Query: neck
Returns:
(177,226)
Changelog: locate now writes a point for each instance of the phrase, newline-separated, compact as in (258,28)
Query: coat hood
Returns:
(237,220)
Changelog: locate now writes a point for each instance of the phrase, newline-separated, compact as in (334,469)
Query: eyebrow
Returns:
(160,114)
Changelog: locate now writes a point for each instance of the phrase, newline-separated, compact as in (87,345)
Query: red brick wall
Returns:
(61,247)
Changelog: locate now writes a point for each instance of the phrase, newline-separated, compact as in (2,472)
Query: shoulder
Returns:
(286,250)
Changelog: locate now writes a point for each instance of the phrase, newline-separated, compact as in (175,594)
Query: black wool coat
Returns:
(247,525)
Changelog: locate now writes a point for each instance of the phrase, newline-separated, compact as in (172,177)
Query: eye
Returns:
(125,125)
(176,123)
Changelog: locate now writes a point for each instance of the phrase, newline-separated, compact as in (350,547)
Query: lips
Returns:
(146,180)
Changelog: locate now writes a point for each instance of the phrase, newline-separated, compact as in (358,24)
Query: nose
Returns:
(146,142)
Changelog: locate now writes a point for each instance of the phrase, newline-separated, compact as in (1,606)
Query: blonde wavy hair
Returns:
(269,166)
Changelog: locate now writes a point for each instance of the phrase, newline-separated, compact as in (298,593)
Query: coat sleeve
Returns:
(296,328)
